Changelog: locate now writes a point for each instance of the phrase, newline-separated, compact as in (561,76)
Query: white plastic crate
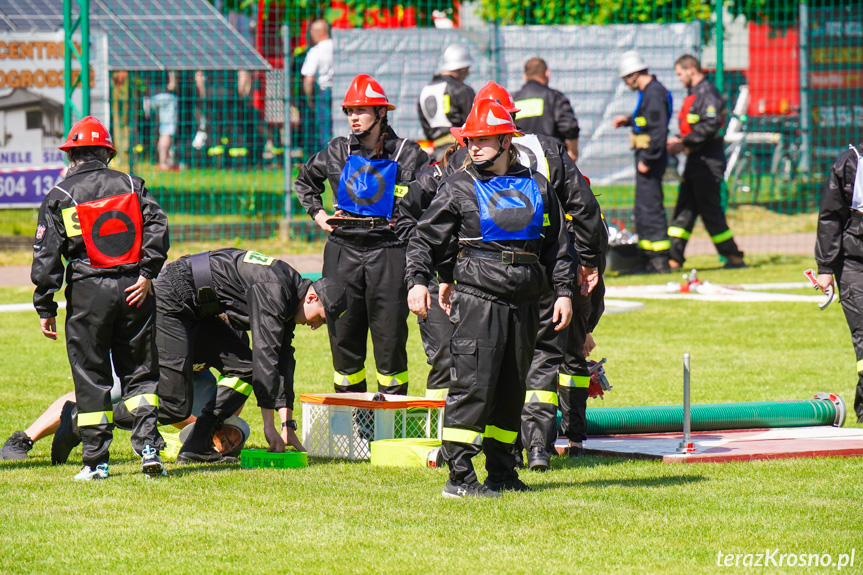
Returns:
(343,424)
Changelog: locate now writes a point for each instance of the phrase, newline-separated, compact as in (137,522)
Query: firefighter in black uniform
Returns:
(839,248)
(202,319)
(587,233)
(446,101)
(254,293)
(498,211)
(369,172)
(435,328)
(649,124)
(701,117)
(114,236)
(545,111)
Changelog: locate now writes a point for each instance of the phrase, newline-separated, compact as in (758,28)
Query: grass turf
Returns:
(591,515)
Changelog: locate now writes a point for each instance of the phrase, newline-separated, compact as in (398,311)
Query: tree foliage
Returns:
(526,12)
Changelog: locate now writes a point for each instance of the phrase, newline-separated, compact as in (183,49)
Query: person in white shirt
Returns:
(318,72)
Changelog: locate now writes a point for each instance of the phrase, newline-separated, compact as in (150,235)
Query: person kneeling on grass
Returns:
(206,302)
(59,413)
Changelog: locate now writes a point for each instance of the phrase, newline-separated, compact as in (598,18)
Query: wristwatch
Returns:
(292,423)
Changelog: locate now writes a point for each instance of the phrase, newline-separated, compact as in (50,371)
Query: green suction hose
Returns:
(824,409)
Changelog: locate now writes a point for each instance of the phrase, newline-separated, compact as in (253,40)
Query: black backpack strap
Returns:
(208,301)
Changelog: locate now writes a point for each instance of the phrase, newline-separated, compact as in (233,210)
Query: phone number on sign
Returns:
(27,188)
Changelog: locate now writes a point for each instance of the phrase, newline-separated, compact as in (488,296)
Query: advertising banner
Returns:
(31,111)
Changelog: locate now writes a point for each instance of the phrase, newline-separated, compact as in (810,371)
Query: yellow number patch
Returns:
(401,191)
(545,220)
(70,221)
(257,259)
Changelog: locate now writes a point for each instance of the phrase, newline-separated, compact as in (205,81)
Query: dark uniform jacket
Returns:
(328,164)
(457,102)
(87,182)
(545,111)
(257,293)
(650,122)
(840,229)
(583,215)
(454,213)
(702,117)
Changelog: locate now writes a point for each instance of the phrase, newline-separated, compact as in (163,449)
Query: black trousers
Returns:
(185,340)
(650,219)
(539,415)
(574,375)
(850,281)
(700,195)
(436,332)
(101,327)
(492,348)
(377,302)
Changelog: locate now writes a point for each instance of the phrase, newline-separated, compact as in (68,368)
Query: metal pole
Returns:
(84,19)
(67,65)
(804,164)
(720,46)
(288,143)
(686,445)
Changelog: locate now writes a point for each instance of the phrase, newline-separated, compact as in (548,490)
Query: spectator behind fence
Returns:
(165,102)
(318,75)
(544,110)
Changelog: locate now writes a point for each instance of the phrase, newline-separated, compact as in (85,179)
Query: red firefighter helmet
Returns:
(89,132)
(496,92)
(365,91)
(488,118)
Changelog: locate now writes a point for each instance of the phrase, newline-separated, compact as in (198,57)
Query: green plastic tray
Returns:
(250,458)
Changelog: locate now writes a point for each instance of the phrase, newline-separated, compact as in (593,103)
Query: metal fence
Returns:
(219,146)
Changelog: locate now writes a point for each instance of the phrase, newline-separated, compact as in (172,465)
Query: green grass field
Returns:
(595,515)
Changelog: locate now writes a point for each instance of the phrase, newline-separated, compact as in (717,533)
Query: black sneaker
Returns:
(511,484)
(151,463)
(574,452)
(537,459)
(16,447)
(475,489)
(66,438)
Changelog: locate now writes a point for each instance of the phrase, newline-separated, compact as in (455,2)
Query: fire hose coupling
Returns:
(838,402)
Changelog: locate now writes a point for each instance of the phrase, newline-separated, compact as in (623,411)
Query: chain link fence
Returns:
(220,133)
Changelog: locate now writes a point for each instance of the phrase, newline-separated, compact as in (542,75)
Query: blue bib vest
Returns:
(367,187)
(509,208)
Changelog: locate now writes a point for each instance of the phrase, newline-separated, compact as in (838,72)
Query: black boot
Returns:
(537,459)
(199,447)
(67,436)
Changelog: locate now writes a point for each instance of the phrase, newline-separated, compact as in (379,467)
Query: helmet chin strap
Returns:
(486,164)
(363,133)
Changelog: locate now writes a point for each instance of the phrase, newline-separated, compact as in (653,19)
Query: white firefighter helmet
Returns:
(630,62)
(229,440)
(455,57)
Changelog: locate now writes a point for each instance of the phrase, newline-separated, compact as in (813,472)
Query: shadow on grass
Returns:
(634,482)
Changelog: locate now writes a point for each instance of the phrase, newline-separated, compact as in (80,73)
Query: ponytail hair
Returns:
(379,147)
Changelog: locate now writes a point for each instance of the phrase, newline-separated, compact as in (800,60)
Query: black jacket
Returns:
(650,122)
(87,182)
(545,111)
(328,164)
(454,213)
(583,215)
(460,97)
(840,230)
(257,294)
(702,118)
